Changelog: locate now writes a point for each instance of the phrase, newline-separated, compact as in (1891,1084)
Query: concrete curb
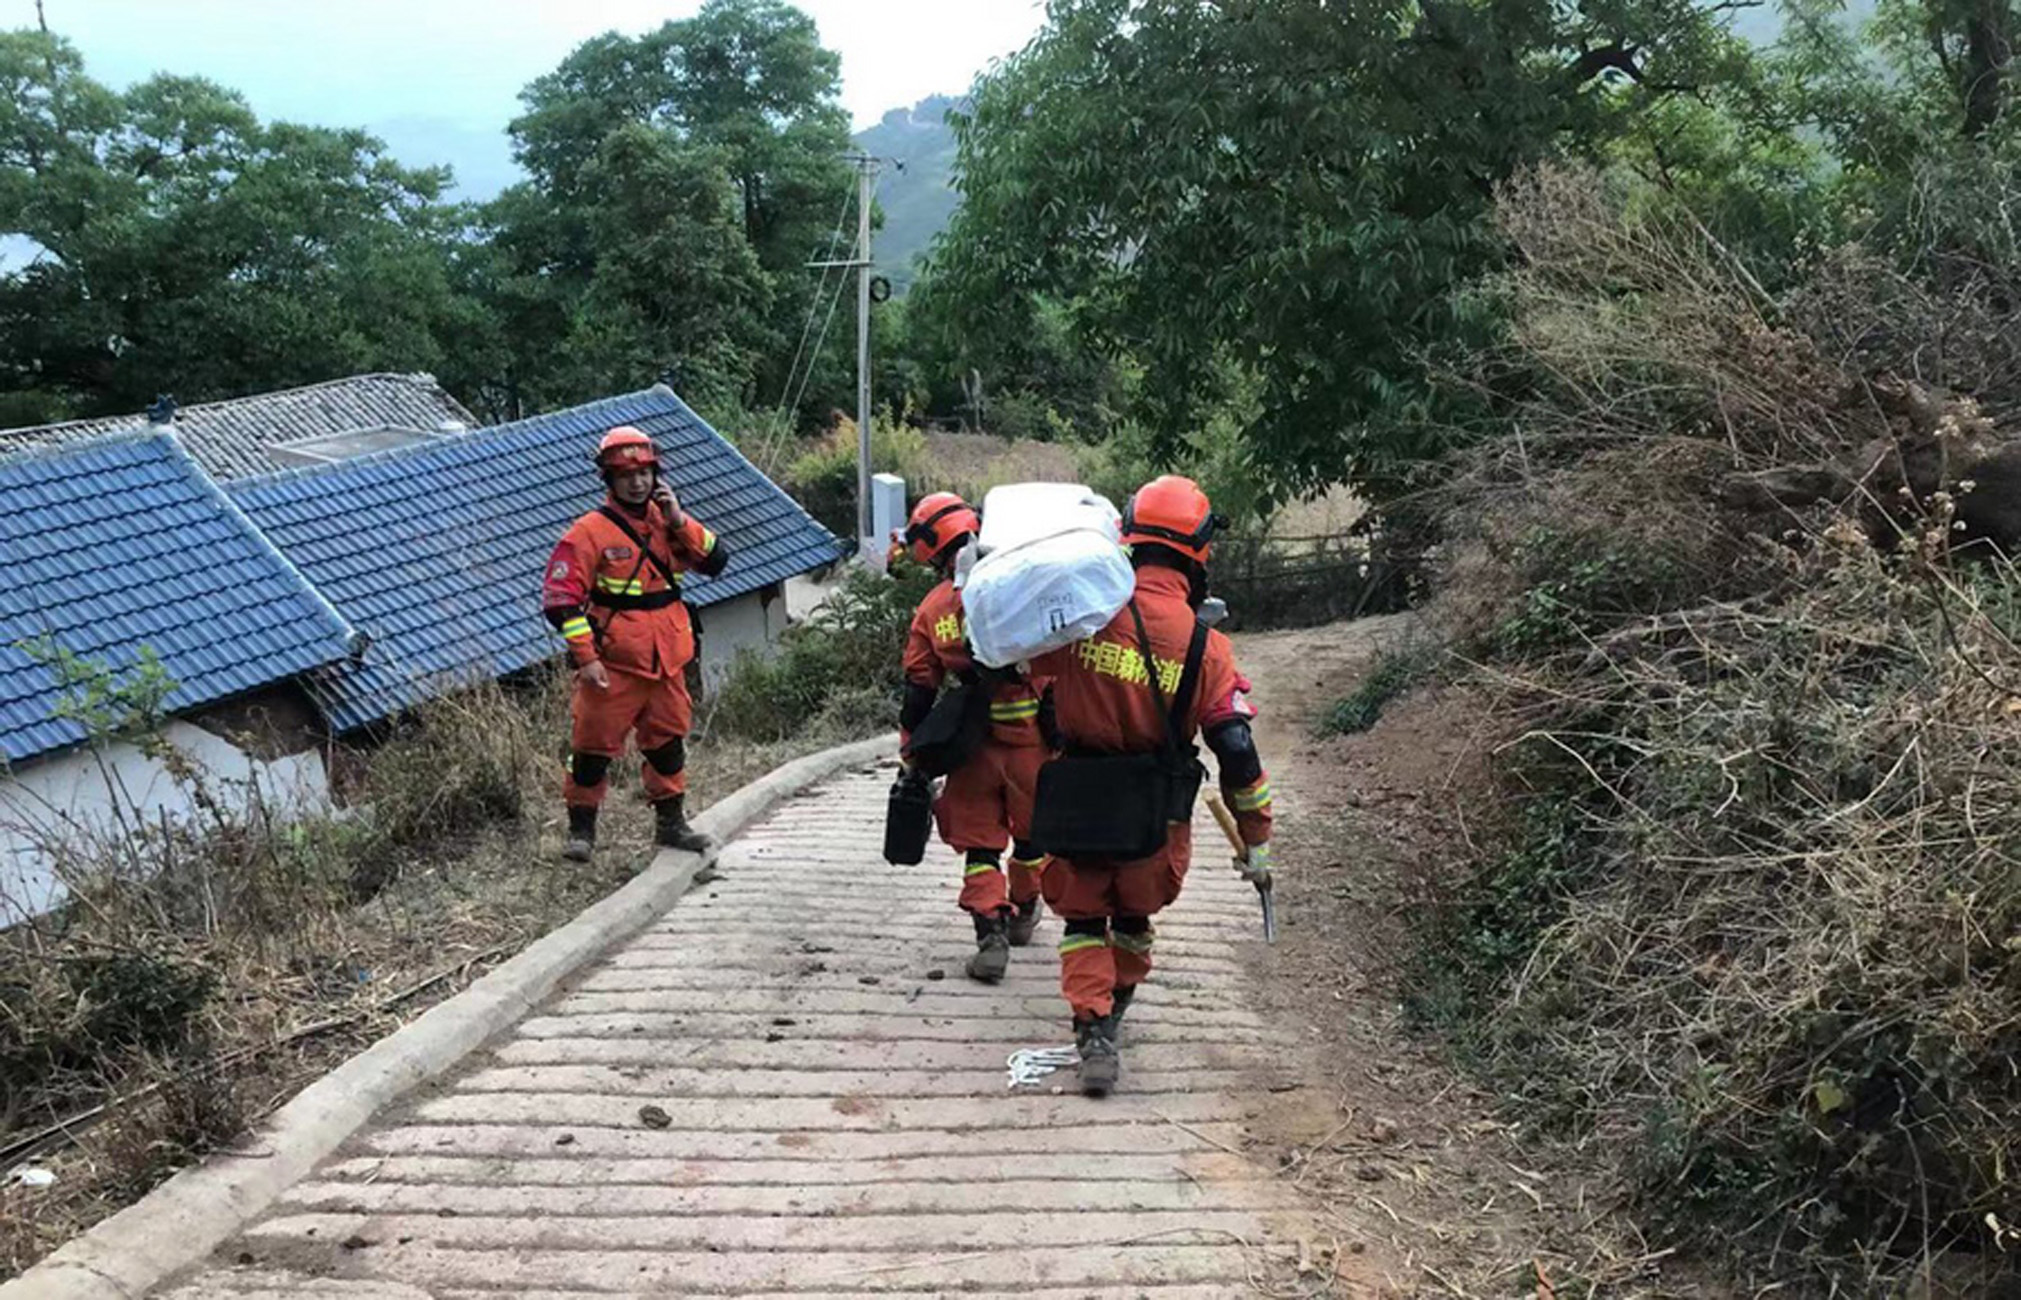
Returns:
(189,1215)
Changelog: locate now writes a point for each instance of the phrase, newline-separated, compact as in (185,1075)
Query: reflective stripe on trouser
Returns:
(982,886)
(656,708)
(1088,974)
(1133,953)
(1089,895)
(1025,875)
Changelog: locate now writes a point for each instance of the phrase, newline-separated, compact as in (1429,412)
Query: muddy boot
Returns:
(992,950)
(672,830)
(1023,923)
(1101,1065)
(1120,1001)
(581,834)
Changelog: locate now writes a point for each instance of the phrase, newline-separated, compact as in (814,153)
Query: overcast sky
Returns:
(439,78)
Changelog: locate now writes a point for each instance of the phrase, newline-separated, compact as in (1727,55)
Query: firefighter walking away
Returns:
(1116,806)
(990,751)
(612,589)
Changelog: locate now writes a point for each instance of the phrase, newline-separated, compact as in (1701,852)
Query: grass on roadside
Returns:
(200,975)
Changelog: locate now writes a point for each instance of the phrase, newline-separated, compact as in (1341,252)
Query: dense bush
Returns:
(1748,912)
(845,659)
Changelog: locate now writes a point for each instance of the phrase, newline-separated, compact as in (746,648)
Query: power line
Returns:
(782,415)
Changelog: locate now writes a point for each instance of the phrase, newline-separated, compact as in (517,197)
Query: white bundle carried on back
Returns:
(1050,570)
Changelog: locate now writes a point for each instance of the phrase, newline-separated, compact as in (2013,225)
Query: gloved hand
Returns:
(1255,868)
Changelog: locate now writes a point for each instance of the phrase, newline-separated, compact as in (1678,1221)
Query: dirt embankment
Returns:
(1427,1182)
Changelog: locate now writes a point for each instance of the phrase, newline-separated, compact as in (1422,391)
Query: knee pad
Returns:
(1098,928)
(669,758)
(589,770)
(1025,851)
(1132,924)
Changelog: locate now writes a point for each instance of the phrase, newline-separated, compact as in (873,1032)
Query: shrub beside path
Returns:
(786,1086)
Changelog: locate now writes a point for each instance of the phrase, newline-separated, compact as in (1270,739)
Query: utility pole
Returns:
(866,174)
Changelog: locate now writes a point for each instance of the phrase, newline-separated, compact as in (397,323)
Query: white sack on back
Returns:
(1052,572)
(1019,513)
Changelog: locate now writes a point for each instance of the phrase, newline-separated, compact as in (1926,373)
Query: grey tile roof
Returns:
(122,544)
(229,438)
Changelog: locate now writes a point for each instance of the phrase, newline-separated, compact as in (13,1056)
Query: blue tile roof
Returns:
(123,543)
(436,552)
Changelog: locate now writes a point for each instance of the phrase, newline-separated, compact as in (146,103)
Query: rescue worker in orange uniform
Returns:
(986,804)
(1100,701)
(612,589)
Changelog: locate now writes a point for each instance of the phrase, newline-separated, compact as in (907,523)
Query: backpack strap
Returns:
(645,550)
(1189,680)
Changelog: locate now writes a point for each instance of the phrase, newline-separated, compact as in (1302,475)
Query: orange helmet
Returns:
(625,448)
(939,521)
(1172,512)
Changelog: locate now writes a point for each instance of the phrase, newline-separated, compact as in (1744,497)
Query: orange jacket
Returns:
(936,647)
(1102,699)
(612,603)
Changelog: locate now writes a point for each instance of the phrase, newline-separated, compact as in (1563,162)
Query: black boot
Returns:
(992,950)
(1101,1065)
(1124,995)
(1024,923)
(672,830)
(581,834)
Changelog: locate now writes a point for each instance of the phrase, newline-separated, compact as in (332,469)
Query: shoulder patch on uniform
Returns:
(560,569)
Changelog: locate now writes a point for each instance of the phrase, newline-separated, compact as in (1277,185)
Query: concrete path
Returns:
(787,1087)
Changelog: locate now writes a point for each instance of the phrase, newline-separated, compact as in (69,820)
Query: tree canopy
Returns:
(1288,188)
(186,246)
(679,181)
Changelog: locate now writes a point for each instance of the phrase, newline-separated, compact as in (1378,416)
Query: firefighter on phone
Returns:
(986,804)
(612,589)
(1105,700)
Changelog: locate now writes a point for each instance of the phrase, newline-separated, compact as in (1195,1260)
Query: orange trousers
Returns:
(658,709)
(1107,907)
(984,808)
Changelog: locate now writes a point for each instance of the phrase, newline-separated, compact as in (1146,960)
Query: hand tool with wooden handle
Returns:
(1234,834)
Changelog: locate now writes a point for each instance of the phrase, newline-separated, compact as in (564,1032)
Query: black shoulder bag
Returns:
(950,735)
(1120,807)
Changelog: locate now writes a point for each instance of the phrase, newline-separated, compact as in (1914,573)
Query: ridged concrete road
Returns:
(831,1117)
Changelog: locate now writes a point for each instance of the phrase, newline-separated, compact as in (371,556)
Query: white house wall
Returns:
(77,797)
(750,622)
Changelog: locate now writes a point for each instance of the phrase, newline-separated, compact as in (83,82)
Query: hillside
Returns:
(917,196)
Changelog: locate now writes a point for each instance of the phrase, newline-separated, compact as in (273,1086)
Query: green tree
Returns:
(739,99)
(187,247)
(1287,192)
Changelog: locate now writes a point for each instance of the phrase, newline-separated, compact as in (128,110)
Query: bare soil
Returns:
(1435,1192)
